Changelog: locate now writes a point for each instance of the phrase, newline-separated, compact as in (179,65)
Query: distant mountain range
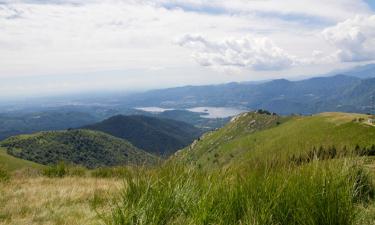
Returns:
(336,93)
(155,135)
(365,71)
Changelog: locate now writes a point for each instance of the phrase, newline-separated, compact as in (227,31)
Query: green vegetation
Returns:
(252,171)
(81,147)
(243,142)
(155,135)
(267,170)
(316,193)
(62,170)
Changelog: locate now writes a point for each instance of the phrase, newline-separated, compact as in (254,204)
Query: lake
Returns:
(217,112)
(153,109)
(210,112)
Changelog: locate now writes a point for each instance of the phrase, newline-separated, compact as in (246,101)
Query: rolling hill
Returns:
(83,147)
(254,136)
(155,135)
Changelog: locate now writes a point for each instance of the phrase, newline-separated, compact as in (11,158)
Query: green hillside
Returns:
(12,163)
(254,136)
(155,135)
(83,147)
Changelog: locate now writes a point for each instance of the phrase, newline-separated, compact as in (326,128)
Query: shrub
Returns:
(59,170)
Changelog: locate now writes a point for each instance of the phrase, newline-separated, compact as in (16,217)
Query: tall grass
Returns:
(316,193)
(62,169)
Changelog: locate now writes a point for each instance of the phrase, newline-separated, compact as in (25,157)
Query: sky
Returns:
(67,46)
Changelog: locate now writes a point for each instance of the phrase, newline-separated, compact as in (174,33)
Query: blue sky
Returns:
(371,3)
(61,46)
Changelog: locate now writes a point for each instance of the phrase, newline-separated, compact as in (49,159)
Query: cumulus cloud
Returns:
(256,53)
(354,38)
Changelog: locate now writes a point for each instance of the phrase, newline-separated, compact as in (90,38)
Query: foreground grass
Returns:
(317,193)
(42,200)
(321,192)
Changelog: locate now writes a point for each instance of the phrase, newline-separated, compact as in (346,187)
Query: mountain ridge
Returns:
(282,96)
(156,135)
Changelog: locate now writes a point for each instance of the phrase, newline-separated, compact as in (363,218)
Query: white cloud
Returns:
(256,53)
(354,38)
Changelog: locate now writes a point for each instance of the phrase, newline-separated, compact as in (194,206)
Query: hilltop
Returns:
(155,135)
(83,147)
(254,136)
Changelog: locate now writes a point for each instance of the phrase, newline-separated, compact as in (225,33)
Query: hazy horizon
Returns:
(59,47)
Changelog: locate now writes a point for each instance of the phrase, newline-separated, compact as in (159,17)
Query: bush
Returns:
(4,175)
(316,193)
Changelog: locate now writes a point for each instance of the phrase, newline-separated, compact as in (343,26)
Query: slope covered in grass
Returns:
(291,137)
(88,148)
(12,163)
(155,135)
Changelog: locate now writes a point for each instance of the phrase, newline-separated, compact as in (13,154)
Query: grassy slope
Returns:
(12,163)
(83,147)
(296,135)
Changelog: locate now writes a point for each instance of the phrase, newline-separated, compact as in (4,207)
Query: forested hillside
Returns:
(155,135)
(82,147)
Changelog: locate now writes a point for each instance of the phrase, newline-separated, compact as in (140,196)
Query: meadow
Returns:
(337,191)
(263,176)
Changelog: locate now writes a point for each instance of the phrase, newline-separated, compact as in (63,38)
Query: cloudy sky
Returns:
(58,46)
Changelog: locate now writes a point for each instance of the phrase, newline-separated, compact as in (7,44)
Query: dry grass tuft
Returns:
(69,200)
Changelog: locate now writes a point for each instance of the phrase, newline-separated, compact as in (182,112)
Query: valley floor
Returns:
(42,200)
